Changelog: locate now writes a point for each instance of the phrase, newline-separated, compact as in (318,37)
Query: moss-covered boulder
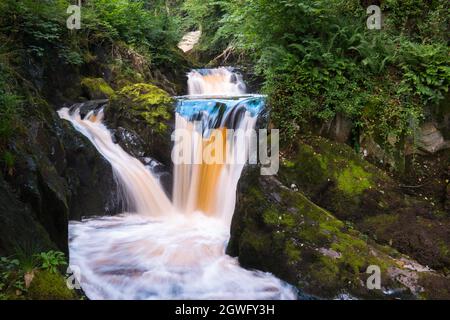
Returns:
(279,230)
(50,286)
(333,176)
(142,116)
(96,88)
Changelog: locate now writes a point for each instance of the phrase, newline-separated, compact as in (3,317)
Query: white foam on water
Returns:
(162,250)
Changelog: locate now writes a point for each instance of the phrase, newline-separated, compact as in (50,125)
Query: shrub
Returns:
(52,260)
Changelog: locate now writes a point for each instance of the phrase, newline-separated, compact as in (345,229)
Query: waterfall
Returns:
(163,249)
(220,81)
(143,192)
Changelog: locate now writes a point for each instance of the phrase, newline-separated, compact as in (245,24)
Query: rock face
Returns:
(57,176)
(279,230)
(96,88)
(333,176)
(339,129)
(142,116)
(18,224)
(431,139)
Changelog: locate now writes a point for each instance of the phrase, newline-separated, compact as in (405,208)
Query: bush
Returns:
(52,260)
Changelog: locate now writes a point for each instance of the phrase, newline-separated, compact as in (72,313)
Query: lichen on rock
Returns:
(96,88)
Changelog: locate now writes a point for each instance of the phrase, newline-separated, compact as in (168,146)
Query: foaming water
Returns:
(173,249)
(136,257)
(220,81)
(143,192)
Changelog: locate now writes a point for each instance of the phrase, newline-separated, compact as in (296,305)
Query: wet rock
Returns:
(339,129)
(431,139)
(339,180)
(130,141)
(311,249)
(162,173)
(19,226)
(58,176)
(88,106)
(143,115)
(94,191)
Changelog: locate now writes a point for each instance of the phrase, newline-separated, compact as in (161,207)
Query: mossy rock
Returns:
(96,88)
(335,177)
(143,116)
(49,286)
(147,102)
(281,231)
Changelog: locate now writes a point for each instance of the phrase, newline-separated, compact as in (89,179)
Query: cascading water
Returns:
(174,250)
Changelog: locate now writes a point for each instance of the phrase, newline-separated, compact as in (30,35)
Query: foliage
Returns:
(426,70)
(41,27)
(52,260)
(15,270)
(317,59)
(11,278)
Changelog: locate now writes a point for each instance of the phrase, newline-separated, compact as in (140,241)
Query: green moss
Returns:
(50,286)
(255,241)
(270,217)
(288,164)
(150,103)
(380,222)
(292,252)
(145,96)
(325,272)
(97,88)
(354,180)
(274,218)
(255,193)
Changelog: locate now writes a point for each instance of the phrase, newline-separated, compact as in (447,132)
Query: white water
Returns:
(220,81)
(165,251)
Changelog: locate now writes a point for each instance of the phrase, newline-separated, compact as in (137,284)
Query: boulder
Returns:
(333,176)
(96,88)
(278,230)
(19,226)
(142,116)
(431,139)
(57,176)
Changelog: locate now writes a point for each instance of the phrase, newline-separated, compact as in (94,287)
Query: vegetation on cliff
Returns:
(48,173)
(279,230)
(317,59)
(317,62)
(34,276)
